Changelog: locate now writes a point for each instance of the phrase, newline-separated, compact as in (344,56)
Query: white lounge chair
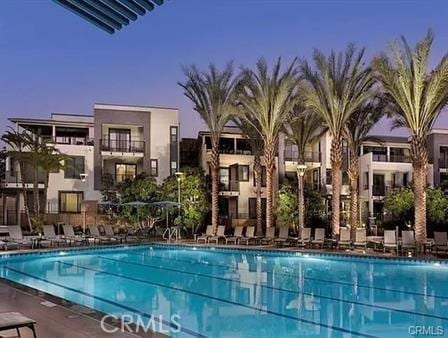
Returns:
(282,236)
(16,236)
(407,241)
(237,234)
(97,237)
(344,238)
(220,233)
(209,232)
(8,245)
(50,234)
(249,237)
(360,238)
(109,231)
(269,237)
(70,236)
(390,240)
(319,237)
(440,241)
(305,237)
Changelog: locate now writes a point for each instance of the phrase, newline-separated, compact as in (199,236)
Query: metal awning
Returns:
(110,15)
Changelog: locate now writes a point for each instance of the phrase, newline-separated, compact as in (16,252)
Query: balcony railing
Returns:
(122,146)
(391,158)
(293,155)
(73,140)
(232,185)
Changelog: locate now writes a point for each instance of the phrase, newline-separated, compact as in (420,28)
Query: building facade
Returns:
(117,142)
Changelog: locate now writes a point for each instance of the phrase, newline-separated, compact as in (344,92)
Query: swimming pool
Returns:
(245,293)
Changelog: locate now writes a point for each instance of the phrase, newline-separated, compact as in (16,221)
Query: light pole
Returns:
(179,176)
(301,168)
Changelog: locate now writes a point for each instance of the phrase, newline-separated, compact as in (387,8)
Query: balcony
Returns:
(122,146)
(73,140)
(391,158)
(378,190)
(229,188)
(293,156)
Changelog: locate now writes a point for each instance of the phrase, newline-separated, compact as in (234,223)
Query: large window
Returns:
(74,166)
(154,167)
(70,201)
(224,178)
(124,171)
(119,139)
(174,149)
(243,173)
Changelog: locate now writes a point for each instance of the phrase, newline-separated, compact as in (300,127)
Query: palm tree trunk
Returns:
(47,179)
(269,158)
(257,174)
(336,164)
(419,157)
(353,174)
(214,164)
(25,197)
(301,203)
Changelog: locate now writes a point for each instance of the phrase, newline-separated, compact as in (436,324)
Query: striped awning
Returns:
(110,15)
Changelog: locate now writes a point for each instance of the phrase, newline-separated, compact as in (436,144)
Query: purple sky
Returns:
(53,61)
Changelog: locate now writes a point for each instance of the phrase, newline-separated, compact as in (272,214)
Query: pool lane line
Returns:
(289,275)
(307,321)
(277,289)
(124,307)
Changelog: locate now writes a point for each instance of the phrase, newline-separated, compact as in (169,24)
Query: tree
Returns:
(16,142)
(286,207)
(304,129)
(211,93)
(338,86)
(416,99)
(194,197)
(256,144)
(267,100)
(357,132)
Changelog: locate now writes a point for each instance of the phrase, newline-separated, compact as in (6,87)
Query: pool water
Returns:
(235,293)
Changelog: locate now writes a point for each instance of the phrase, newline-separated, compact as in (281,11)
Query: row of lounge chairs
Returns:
(15,240)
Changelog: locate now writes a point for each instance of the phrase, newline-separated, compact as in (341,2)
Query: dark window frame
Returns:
(75,175)
(240,176)
(79,193)
(126,164)
(156,161)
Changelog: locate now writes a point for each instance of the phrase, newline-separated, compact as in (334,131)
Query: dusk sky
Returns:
(53,61)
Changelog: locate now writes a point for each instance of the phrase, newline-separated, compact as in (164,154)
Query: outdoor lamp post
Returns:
(301,168)
(179,176)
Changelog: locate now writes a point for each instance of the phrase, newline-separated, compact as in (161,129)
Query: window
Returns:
(119,139)
(12,165)
(345,178)
(70,201)
(173,133)
(124,171)
(174,149)
(263,177)
(243,173)
(74,166)
(173,167)
(154,167)
(224,177)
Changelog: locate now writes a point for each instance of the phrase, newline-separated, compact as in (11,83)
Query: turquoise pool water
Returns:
(233,293)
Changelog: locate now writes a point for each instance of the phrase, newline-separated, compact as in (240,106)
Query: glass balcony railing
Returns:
(108,144)
(293,155)
(391,158)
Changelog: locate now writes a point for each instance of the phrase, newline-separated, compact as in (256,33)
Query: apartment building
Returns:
(237,195)
(118,141)
(438,155)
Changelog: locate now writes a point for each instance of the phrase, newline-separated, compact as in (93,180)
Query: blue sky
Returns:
(53,61)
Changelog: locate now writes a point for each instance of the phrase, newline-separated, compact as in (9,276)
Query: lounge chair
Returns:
(440,241)
(249,237)
(305,237)
(16,236)
(319,237)
(269,238)
(219,234)
(70,236)
(360,238)
(209,232)
(7,245)
(407,241)
(344,238)
(390,240)
(282,236)
(50,235)
(97,237)
(109,231)
(237,234)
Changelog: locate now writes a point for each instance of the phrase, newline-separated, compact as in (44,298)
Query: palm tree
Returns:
(267,100)
(356,133)
(338,86)
(211,93)
(416,99)
(304,129)
(256,144)
(16,142)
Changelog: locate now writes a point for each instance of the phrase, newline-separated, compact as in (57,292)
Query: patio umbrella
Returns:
(165,205)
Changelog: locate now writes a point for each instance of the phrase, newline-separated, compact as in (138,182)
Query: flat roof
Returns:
(128,106)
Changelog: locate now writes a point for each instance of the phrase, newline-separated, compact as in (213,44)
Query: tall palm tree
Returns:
(416,99)
(17,144)
(304,129)
(268,99)
(336,88)
(211,93)
(256,145)
(356,132)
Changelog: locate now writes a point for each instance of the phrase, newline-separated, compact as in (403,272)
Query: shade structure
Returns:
(136,203)
(165,204)
(109,203)
(110,15)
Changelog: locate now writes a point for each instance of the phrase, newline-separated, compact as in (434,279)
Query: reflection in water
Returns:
(233,294)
